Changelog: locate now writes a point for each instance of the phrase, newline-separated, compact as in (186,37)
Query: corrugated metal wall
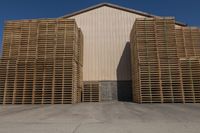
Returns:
(106,52)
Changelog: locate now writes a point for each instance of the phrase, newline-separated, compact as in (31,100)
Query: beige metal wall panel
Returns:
(106,32)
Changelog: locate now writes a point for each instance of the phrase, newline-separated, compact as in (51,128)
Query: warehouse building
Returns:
(94,46)
(106,28)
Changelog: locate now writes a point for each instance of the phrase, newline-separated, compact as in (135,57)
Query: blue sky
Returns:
(186,11)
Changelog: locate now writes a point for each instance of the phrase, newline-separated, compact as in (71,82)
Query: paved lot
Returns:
(105,117)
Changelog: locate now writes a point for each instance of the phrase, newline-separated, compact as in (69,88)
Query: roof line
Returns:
(116,7)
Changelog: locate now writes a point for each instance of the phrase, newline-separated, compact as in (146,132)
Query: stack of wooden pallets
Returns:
(188,43)
(159,74)
(190,69)
(40,62)
(91,92)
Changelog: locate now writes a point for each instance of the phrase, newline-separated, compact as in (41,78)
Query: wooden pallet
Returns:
(190,69)
(156,68)
(91,92)
(188,39)
(40,62)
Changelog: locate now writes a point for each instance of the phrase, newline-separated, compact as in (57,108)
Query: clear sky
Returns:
(187,11)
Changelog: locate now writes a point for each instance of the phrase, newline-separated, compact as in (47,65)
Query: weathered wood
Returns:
(42,62)
(91,92)
(159,73)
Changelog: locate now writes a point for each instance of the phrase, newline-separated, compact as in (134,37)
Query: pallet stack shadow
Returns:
(91,91)
(165,66)
(41,62)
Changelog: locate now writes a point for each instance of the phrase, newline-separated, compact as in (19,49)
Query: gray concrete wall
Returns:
(116,90)
(108,90)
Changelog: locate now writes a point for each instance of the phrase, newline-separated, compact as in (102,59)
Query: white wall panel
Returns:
(106,31)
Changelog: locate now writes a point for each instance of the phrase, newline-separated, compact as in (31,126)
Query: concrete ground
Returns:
(105,117)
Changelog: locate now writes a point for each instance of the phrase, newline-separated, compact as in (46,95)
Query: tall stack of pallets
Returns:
(159,73)
(91,91)
(188,43)
(40,62)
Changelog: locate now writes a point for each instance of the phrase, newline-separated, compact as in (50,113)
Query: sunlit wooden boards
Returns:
(159,73)
(41,62)
(190,69)
(189,53)
(188,41)
(153,45)
(91,91)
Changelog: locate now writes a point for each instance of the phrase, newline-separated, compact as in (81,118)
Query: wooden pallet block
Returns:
(91,92)
(42,61)
(151,57)
(157,69)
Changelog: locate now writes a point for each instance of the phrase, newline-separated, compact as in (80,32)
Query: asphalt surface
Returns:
(105,117)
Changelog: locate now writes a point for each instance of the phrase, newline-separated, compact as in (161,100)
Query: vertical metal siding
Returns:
(106,31)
